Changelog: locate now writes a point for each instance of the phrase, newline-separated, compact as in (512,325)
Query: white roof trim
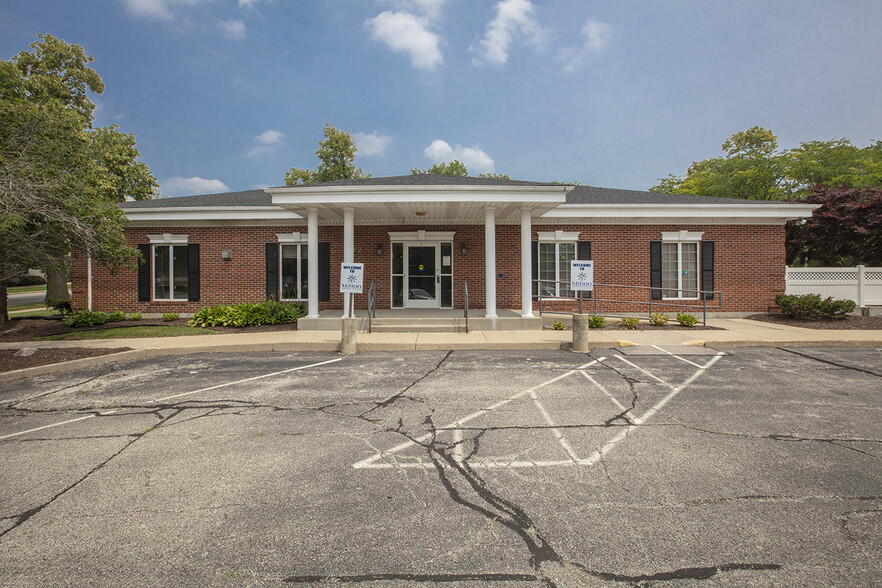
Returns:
(783,210)
(197,213)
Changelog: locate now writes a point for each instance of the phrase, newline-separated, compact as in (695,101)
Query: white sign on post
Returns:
(582,276)
(351,278)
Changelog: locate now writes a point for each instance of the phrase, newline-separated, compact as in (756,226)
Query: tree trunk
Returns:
(56,283)
(4,315)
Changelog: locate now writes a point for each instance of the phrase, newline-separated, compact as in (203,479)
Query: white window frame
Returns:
(300,240)
(681,238)
(557,238)
(171,241)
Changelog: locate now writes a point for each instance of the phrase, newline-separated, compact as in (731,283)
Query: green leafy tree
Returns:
(59,179)
(456,168)
(336,155)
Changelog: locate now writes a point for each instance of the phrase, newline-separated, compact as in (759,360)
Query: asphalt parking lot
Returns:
(635,467)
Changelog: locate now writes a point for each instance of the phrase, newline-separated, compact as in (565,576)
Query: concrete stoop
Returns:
(413,323)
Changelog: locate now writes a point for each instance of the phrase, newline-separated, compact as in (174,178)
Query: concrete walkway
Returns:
(729,333)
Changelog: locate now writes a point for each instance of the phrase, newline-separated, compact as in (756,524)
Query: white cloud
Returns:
(372,144)
(512,17)
(267,141)
(598,36)
(430,8)
(405,33)
(233,28)
(176,186)
(247,3)
(270,137)
(155,9)
(474,158)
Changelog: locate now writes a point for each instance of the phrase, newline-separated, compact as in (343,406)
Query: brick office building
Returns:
(422,238)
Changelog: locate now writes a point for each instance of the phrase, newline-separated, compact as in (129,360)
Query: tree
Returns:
(456,168)
(59,179)
(845,230)
(337,156)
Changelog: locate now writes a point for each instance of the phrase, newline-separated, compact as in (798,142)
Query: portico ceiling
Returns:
(417,205)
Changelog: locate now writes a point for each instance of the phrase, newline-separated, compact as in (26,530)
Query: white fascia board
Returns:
(210,213)
(784,211)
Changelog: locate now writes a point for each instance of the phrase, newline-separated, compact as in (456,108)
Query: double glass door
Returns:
(422,275)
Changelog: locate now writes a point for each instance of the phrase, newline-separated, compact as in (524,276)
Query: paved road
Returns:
(632,467)
(25,298)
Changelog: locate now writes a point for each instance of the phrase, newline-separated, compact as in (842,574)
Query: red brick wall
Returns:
(749,264)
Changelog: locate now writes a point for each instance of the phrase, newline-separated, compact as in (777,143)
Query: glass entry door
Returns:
(423,276)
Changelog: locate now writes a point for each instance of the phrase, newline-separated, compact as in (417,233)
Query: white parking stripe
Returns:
(557,434)
(677,356)
(82,418)
(370,462)
(303,367)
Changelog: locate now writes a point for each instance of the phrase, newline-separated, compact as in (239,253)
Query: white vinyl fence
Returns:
(861,284)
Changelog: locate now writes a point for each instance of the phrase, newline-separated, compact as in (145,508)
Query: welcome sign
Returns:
(582,276)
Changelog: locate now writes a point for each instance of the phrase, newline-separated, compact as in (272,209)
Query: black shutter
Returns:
(534,252)
(707,268)
(324,267)
(144,274)
(272,271)
(655,270)
(193,272)
(584,254)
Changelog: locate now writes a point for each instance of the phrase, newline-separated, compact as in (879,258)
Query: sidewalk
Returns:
(734,333)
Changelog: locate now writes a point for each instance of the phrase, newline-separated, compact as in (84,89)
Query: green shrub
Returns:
(629,322)
(115,317)
(686,319)
(248,314)
(85,318)
(170,316)
(658,319)
(59,305)
(595,321)
(134,316)
(813,307)
(27,280)
(557,326)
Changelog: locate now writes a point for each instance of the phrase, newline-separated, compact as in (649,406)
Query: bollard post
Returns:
(347,340)
(580,333)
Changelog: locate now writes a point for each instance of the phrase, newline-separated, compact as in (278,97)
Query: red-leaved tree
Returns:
(845,230)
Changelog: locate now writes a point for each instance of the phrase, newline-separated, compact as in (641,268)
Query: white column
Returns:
(861,284)
(312,277)
(490,260)
(348,248)
(526,264)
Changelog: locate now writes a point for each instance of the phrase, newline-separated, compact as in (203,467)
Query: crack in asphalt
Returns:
(833,363)
(12,405)
(22,518)
(454,469)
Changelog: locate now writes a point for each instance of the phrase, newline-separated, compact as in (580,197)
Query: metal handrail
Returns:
(465,304)
(372,309)
(702,298)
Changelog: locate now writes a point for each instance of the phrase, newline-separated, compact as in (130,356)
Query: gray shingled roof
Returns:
(579,194)
(246,198)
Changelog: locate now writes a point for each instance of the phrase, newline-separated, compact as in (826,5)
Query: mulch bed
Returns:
(25,329)
(850,322)
(9,362)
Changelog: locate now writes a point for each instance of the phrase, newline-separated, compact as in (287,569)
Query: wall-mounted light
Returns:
(464,248)
(379,249)
(227,255)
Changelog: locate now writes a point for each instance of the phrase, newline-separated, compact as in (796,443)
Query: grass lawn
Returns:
(36,312)
(25,289)
(128,332)
(26,306)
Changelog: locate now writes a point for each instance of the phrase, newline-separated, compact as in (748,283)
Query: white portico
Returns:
(425,253)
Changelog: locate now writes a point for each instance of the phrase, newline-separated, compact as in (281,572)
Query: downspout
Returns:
(89,281)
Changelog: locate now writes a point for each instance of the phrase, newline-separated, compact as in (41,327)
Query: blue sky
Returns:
(229,94)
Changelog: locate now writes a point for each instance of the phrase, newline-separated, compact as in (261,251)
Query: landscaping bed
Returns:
(851,322)
(9,361)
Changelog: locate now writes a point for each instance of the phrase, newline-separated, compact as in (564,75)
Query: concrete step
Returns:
(419,326)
